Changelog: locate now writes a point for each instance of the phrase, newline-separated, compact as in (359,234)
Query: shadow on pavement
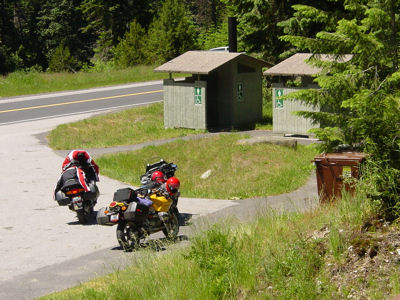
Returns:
(92,221)
(184,219)
(159,244)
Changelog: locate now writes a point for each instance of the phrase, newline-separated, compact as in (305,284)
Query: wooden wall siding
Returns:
(284,121)
(180,110)
(226,75)
(249,109)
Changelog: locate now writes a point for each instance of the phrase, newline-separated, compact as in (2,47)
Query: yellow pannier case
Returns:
(160,203)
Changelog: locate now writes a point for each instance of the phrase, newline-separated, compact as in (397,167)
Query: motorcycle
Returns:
(168,169)
(137,218)
(73,195)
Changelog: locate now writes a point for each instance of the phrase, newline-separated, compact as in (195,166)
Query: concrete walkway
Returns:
(304,198)
(210,210)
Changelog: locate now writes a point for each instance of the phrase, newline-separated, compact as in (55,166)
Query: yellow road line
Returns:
(78,101)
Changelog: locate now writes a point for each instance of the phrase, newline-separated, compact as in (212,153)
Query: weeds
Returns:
(216,255)
(276,256)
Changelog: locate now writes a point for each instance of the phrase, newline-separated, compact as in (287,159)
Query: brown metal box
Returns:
(332,170)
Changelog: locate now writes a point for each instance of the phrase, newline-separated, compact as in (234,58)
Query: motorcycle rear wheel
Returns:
(127,237)
(82,216)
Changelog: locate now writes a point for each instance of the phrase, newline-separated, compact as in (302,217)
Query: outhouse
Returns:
(295,68)
(223,91)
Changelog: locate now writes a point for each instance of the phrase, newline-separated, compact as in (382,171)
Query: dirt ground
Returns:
(372,261)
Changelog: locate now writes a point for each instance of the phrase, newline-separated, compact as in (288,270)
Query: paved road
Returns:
(35,107)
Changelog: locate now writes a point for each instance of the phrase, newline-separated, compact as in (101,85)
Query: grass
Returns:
(237,171)
(276,256)
(132,126)
(266,122)
(127,127)
(24,83)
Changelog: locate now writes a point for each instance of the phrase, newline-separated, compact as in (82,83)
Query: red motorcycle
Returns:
(73,195)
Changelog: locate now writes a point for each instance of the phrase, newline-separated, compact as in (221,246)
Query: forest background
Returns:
(73,35)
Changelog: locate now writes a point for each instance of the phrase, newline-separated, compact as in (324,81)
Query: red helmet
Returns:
(173,185)
(158,177)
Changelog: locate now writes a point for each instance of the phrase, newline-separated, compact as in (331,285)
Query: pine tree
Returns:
(58,26)
(129,51)
(171,33)
(360,98)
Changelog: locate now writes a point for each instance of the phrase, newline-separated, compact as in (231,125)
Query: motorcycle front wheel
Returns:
(171,233)
(127,236)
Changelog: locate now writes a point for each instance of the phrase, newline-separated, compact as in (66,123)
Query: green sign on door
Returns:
(278,99)
(240,91)
(197,95)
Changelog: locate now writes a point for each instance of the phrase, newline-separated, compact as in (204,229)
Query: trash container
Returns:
(332,171)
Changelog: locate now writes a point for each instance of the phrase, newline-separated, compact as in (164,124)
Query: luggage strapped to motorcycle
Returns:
(71,184)
(125,195)
(167,168)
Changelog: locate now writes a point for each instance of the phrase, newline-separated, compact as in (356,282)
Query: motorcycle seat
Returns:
(71,184)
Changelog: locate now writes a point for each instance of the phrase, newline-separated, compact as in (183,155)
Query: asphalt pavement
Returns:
(43,247)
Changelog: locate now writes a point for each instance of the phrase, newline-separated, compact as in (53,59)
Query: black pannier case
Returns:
(62,199)
(102,218)
(142,212)
(125,195)
(130,212)
(93,192)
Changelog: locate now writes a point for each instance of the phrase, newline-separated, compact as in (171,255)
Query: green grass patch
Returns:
(237,171)
(266,122)
(24,83)
(277,256)
(132,126)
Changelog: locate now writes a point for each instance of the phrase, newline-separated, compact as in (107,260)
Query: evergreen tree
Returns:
(7,64)
(257,25)
(261,23)
(361,96)
(171,33)
(58,26)
(129,51)
(62,60)
(26,43)
(214,36)
(208,13)
(109,20)
(308,20)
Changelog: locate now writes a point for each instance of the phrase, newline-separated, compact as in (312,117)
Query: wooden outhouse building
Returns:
(224,90)
(294,68)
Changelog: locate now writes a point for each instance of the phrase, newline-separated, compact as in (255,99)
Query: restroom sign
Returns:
(197,95)
(240,91)
(278,98)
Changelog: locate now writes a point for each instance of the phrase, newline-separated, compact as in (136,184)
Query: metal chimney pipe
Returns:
(232,34)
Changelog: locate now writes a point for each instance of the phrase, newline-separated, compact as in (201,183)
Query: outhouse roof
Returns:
(203,62)
(296,65)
